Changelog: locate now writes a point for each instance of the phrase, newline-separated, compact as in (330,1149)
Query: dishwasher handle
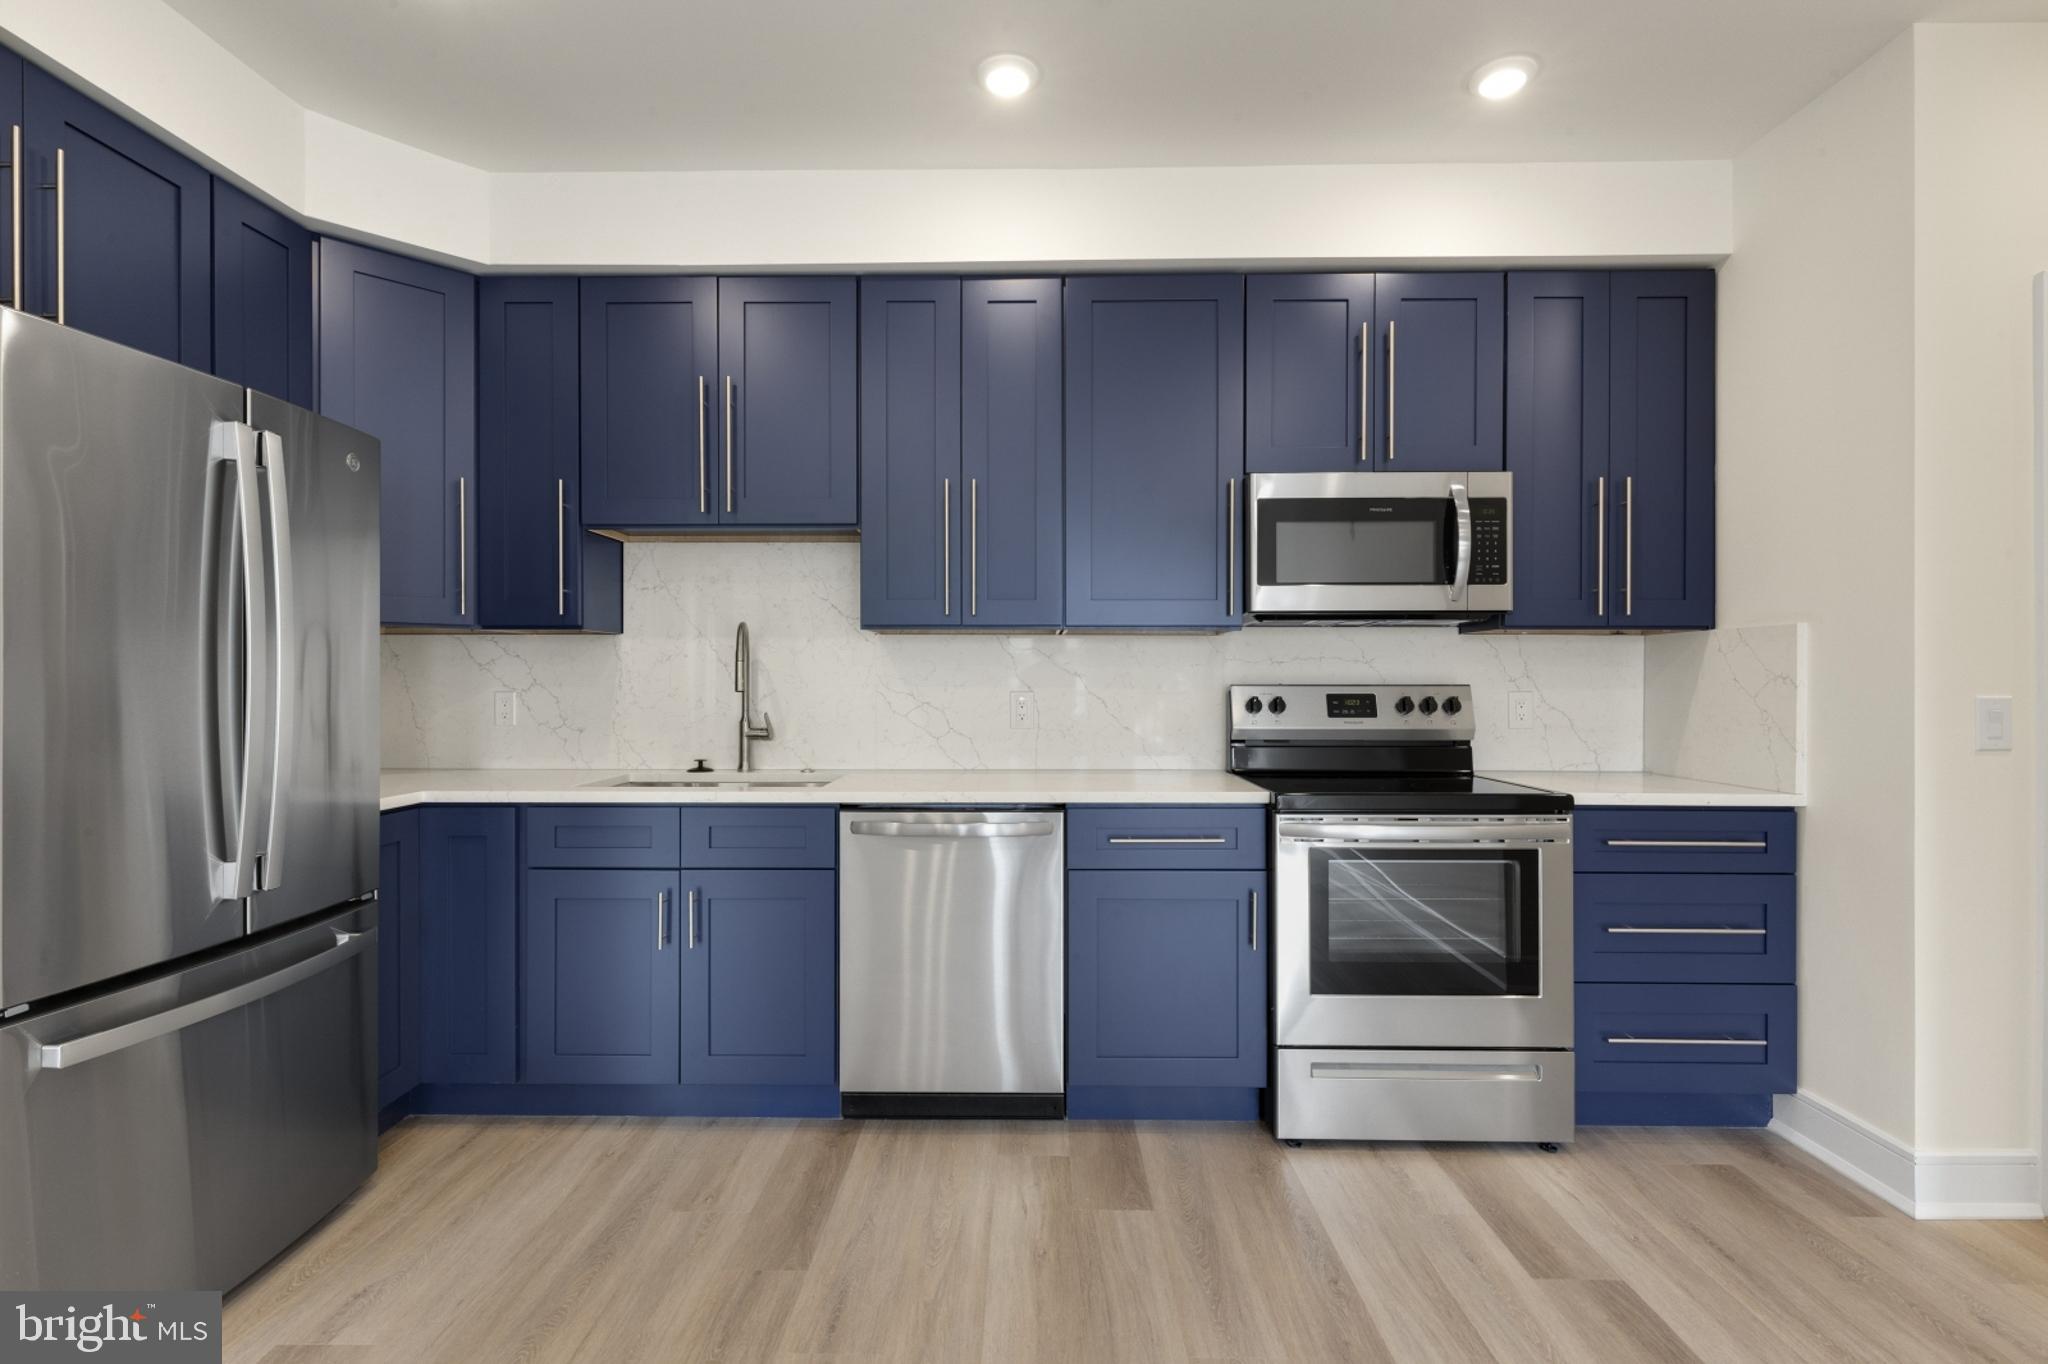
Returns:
(900,828)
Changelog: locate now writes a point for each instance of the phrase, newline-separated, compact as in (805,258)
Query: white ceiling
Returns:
(511,85)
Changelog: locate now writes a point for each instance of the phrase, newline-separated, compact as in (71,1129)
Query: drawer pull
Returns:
(1690,932)
(1205,841)
(1626,1040)
(1408,1070)
(1687,843)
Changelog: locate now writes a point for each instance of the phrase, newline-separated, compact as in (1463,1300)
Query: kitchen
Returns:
(979,758)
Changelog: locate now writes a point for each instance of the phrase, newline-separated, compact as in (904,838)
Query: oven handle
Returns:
(1426,835)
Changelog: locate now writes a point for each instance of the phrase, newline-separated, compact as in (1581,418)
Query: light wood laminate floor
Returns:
(620,1240)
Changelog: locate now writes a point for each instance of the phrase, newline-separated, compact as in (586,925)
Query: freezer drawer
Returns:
(1330,1094)
(181,1132)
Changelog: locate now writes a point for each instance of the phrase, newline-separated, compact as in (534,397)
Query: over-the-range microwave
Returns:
(1358,548)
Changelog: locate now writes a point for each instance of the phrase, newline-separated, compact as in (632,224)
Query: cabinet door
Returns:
(135,215)
(469,927)
(1438,401)
(912,555)
(262,297)
(1308,340)
(1663,448)
(528,471)
(760,978)
(787,360)
(1167,978)
(1565,566)
(650,439)
(601,978)
(1011,452)
(398,955)
(1155,450)
(12,72)
(398,360)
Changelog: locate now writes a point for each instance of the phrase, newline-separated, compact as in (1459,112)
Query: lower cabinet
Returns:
(760,966)
(600,989)
(398,956)
(469,928)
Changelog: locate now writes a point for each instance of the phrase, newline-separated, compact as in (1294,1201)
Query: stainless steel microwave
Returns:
(1337,548)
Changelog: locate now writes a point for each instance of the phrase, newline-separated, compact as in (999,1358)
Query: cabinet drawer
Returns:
(1687,1039)
(760,836)
(1628,839)
(1684,928)
(601,836)
(1165,838)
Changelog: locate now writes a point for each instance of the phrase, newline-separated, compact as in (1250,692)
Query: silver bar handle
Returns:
(946,542)
(661,921)
(462,546)
(284,656)
(63,310)
(973,546)
(693,920)
(561,547)
(235,444)
(892,828)
(703,477)
(1630,1040)
(1687,932)
(14,179)
(1364,392)
(1255,921)
(1416,1070)
(1391,390)
(1748,843)
(1230,529)
(728,442)
(1628,545)
(1461,574)
(1600,553)
(78,1050)
(1164,841)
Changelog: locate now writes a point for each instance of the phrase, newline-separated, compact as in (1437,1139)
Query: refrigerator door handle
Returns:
(270,864)
(234,444)
(78,1050)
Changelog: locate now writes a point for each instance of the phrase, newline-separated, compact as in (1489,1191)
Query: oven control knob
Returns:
(1403,706)
(1278,705)
(1254,705)
(1452,705)
(1429,705)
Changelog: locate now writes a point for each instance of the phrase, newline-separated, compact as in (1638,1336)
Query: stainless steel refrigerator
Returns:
(188,774)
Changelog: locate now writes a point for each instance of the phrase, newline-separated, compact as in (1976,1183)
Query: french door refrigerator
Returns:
(188,755)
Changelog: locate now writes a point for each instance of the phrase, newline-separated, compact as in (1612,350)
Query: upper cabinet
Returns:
(1439,403)
(398,360)
(961,454)
(12,72)
(1310,361)
(787,363)
(262,297)
(1155,451)
(1611,441)
(651,452)
(528,471)
(116,239)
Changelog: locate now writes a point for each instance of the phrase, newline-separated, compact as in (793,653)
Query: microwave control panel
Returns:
(1489,541)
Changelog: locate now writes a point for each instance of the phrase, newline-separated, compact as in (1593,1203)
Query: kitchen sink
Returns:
(722,781)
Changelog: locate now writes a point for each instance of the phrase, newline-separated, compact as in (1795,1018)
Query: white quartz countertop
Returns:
(464,786)
(1646,788)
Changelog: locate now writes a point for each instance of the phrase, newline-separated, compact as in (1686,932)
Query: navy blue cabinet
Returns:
(651,446)
(529,478)
(1566,568)
(913,554)
(600,1000)
(469,934)
(1662,435)
(1443,337)
(1011,452)
(1309,356)
(788,360)
(134,263)
(262,297)
(398,360)
(1155,451)
(398,956)
(1166,978)
(760,978)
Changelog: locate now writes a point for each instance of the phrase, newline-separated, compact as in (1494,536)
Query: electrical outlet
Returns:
(1521,710)
(1023,710)
(1994,724)
(505,707)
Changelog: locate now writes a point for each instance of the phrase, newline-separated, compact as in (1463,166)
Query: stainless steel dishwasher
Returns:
(952,970)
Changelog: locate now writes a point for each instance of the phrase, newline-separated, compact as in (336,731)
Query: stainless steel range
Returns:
(1422,930)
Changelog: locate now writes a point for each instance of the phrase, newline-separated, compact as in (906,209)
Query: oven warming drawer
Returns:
(1333,1094)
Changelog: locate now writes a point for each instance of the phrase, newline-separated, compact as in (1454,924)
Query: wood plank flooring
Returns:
(619,1240)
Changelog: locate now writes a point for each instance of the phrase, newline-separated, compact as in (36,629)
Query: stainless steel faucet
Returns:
(742,678)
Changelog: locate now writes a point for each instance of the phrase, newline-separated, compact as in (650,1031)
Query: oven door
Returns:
(1422,931)
(1335,545)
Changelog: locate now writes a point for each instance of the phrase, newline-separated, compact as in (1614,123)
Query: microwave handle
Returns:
(1461,573)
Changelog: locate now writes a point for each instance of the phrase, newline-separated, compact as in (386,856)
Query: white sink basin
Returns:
(720,781)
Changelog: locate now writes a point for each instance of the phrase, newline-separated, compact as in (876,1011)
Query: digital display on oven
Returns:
(1352,705)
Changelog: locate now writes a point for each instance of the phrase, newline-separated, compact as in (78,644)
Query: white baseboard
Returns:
(1923,1184)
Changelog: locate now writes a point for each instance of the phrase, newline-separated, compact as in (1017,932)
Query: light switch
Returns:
(1994,723)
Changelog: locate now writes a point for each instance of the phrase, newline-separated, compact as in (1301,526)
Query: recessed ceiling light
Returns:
(1007,75)
(1504,78)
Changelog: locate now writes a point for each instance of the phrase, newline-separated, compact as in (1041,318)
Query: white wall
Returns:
(1816,524)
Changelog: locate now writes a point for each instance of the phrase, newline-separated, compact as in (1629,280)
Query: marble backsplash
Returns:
(1727,705)
(660,695)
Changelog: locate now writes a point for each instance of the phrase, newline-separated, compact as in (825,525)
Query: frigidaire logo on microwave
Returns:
(169,1327)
